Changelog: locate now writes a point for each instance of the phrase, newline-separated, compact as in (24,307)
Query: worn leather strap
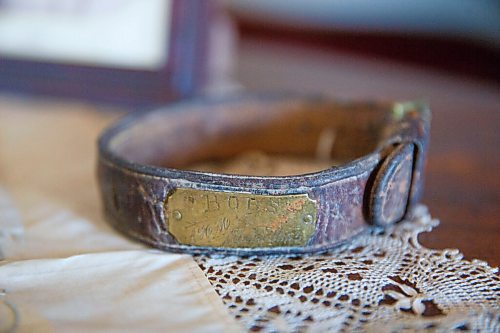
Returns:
(141,161)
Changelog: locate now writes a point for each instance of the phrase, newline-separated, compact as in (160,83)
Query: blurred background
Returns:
(138,54)
(461,36)
(145,52)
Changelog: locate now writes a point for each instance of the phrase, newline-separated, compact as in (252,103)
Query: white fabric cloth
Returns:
(123,291)
(63,268)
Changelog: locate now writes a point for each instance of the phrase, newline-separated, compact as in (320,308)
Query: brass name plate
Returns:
(228,219)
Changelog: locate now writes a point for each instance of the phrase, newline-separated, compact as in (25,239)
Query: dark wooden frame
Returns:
(179,77)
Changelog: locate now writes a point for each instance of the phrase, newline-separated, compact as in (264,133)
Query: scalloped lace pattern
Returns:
(382,281)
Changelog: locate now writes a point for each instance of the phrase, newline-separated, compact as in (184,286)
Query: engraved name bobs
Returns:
(229,219)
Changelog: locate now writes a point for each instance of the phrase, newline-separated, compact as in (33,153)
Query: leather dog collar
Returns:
(149,197)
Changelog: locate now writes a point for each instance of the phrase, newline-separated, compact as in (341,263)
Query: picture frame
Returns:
(180,76)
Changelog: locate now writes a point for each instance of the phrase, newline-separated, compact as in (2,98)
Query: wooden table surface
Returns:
(462,185)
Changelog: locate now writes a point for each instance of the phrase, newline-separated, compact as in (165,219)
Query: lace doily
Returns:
(382,281)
